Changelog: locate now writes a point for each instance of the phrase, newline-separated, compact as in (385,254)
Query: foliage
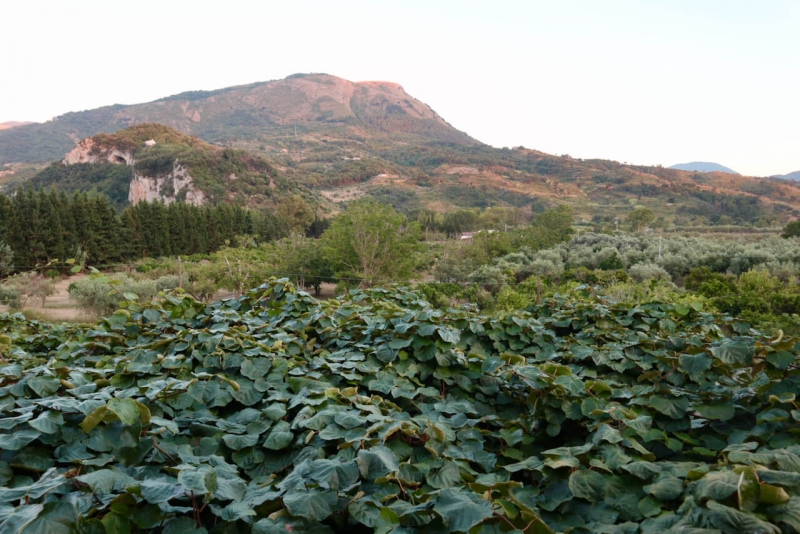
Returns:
(791,230)
(9,296)
(756,295)
(44,226)
(21,287)
(6,260)
(276,412)
(295,214)
(640,218)
(109,179)
(371,243)
(648,271)
(103,294)
(402,200)
(677,254)
(303,261)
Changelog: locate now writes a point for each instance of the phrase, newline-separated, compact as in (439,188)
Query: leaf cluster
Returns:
(276,412)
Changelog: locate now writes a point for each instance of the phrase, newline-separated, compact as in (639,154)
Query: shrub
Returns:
(490,277)
(9,297)
(648,271)
(23,286)
(102,295)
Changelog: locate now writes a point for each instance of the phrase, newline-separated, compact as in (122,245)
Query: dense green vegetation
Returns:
(756,280)
(45,226)
(223,175)
(109,179)
(275,412)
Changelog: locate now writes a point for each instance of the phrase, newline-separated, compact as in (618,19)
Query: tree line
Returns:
(38,227)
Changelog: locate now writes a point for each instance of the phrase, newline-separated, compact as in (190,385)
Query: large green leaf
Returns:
(694,363)
(240,441)
(716,486)
(377,462)
(313,505)
(126,409)
(722,411)
(588,485)
(18,439)
(55,518)
(670,406)
(446,476)
(666,487)
(729,519)
(279,436)
(334,474)
(461,510)
(734,352)
(48,422)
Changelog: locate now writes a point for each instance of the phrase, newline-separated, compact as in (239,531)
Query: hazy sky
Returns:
(643,82)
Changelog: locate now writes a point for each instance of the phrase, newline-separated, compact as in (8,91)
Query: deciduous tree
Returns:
(371,242)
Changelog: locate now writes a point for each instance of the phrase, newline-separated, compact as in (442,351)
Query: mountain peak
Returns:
(313,101)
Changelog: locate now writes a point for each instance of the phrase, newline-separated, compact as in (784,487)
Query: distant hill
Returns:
(791,176)
(12,124)
(703,166)
(154,162)
(333,140)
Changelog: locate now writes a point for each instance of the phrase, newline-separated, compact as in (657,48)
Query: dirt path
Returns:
(58,307)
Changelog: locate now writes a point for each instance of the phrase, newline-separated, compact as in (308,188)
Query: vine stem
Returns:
(162,451)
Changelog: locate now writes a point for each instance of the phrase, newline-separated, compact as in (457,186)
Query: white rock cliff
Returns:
(167,188)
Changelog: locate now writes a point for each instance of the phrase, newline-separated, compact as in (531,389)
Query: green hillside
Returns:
(222,174)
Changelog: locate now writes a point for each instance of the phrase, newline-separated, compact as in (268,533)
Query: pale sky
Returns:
(645,82)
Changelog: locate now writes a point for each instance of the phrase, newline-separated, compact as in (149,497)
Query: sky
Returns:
(646,82)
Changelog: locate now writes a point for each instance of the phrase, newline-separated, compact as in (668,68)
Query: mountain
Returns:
(791,176)
(302,101)
(703,166)
(333,140)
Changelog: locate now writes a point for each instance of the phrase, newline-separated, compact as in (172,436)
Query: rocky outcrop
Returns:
(168,188)
(177,185)
(88,152)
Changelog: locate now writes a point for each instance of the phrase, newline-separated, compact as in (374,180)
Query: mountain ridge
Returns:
(702,166)
(790,176)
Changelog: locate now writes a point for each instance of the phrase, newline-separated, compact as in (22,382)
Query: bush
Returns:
(490,277)
(648,271)
(102,295)
(23,286)
(9,297)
